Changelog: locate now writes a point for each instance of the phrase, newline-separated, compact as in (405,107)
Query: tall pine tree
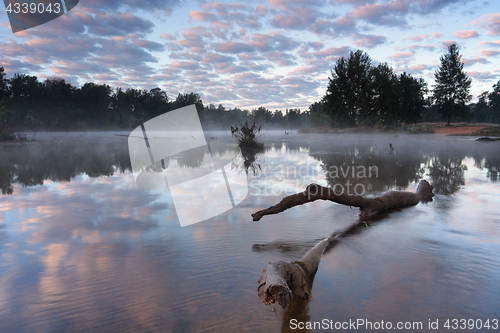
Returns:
(451,91)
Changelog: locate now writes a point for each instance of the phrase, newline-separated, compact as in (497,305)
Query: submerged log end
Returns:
(273,286)
(279,281)
(424,190)
(275,293)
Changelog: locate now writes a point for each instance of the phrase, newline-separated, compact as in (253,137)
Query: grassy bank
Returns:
(414,129)
(421,128)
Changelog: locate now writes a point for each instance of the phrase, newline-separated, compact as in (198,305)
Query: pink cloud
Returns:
(296,15)
(215,58)
(494,43)
(224,8)
(280,4)
(436,35)
(482,76)
(186,64)
(305,70)
(248,77)
(273,41)
(416,47)
(186,55)
(346,21)
(403,55)
(370,10)
(466,34)
(368,41)
(197,15)
(316,45)
(425,36)
(336,52)
(418,68)
(491,22)
(388,14)
(262,10)
(232,69)
(475,60)
(489,53)
(415,38)
(168,36)
(233,47)
(225,15)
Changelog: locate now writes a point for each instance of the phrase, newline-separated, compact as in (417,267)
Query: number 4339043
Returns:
(33,8)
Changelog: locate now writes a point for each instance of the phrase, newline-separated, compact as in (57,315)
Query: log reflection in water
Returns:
(296,312)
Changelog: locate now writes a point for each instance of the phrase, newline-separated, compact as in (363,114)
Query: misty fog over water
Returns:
(83,248)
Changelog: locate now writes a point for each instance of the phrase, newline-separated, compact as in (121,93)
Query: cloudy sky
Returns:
(274,53)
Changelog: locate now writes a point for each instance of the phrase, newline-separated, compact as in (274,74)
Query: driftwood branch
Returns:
(368,207)
(281,280)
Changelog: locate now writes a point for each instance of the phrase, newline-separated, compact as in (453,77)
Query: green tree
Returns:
(214,116)
(278,118)
(59,104)
(157,102)
(188,99)
(411,97)
(93,101)
(317,115)
(4,92)
(494,105)
(385,106)
(237,116)
(262,115)
(129,108)
(4,88)
(451,91)
(481,108)
(347,97)
(25,105)
(292,118)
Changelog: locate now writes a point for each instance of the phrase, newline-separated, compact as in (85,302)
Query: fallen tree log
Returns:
(280,280)
(487,139)
(368,207)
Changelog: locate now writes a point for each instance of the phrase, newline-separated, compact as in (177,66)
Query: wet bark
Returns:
(368,207)
(280,281)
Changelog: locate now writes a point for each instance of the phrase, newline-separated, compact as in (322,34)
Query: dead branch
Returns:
(368,207)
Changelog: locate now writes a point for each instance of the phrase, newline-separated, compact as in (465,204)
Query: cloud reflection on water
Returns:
(90,250)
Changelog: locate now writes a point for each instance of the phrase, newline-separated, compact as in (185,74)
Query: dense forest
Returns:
(358,94)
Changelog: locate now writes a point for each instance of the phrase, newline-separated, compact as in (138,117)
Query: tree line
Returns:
(27,103)
(358,94)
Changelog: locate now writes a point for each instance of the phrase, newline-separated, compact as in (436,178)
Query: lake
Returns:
(84,249)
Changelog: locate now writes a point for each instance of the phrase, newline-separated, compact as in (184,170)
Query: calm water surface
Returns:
(83,249)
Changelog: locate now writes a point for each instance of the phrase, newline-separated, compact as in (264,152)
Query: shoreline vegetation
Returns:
(455,129)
